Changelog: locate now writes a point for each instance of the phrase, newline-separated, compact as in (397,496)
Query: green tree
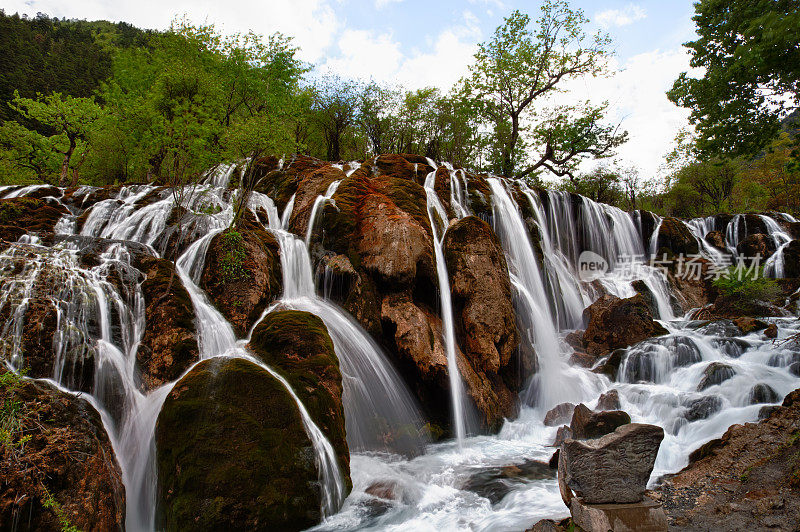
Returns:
(748,50)
(519,67)
(70,118)
(336,102)
(702,187)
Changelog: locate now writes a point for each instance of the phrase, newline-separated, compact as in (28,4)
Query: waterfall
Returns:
(437,215)
(320,202)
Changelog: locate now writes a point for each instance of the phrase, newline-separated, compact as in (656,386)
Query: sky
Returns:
(418,43)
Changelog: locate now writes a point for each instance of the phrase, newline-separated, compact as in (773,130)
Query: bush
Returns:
(231,260)
(741,284)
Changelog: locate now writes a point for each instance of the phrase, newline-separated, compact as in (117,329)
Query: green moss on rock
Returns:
(232,453)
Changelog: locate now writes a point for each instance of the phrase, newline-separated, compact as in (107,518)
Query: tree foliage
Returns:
(518,68)
(748,50)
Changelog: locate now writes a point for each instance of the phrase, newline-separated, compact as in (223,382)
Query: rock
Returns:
(383,489)
(562,434)
(771,331)
(676,238)
(748,325)
(613,469)
(609,366)
(281,185)
(559,414)
(582,359)
(715,373)
(483,309)
(242,273)
(716,239)
(649,298)
(312,184)
(169,344)
(298,346)
(66,463)
(703,408)
(28,215)
(757,244)
(615,323)
(587,424)
(791,260)
(496,482)
(232,453)
(645,515)
(763,393)
(609,401)
(794,369)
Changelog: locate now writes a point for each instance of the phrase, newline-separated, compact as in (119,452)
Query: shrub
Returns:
(232,256)
(741,284)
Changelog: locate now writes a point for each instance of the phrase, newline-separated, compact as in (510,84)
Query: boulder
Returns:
(771,331)
(715,373)
(716,239)
(615,323)
(232,453)
(613,469)
(791,260)
(763,393)
(297,345)
(675,238)
(757,244)
(312,184)
(169,344)
(28,215)
(562,434)
(609,401)
(748,325)
(494,483)
(703,408)
(559,414)
(587,424)
(645,515)
(64,474)
(242,273)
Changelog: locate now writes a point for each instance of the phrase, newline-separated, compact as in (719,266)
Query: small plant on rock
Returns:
(231,259)
(744,285)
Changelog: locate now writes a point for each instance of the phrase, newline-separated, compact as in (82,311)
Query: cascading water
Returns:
(662,380)
(438,216)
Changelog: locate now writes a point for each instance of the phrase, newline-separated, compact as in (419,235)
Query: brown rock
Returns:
(771,331)
(609,401)
(756,244)
(312,183)
(482,305)
(675,238)
(587,424)
(612,469)
(716,239)
(383,489)
(615,323)
(791,260)
(31,215)
(563,434)
(559,414)
(242,273)
(169,344)
(645,515)
(67,459)
(715,373)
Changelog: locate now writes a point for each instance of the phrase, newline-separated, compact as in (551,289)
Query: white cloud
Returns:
(620,17)
(637,98)
(370,55)
(380,4)
(313,23)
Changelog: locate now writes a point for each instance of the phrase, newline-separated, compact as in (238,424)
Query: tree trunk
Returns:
(65,165)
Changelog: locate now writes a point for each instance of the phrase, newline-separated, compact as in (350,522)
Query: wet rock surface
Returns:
(65,469)
(747,480)
(614,468)
(615,323)
(232,453)
(587,424)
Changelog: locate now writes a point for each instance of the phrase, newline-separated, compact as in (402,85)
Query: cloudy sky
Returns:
(427,42)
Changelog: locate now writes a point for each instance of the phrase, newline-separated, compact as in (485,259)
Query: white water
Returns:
(438,216)
(657,382)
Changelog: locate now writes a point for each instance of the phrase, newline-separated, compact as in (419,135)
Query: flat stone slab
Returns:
(644,516)
(613,469)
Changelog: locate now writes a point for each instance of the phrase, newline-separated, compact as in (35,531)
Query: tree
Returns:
(602,185)
(703,187)
(335,111)
(520,67)
(70,118)
(749,52)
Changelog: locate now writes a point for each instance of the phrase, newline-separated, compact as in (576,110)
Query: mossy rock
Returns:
(677,238)
(297,345)
(232,453)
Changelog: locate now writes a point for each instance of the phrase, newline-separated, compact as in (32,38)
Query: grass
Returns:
(11,415)
(232,257)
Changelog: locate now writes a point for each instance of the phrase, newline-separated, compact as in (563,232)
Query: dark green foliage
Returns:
(232,257)
(745,286)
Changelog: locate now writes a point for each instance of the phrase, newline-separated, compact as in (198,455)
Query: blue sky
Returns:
(418,43)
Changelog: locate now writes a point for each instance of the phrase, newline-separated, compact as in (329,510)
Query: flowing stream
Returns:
(99,309)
